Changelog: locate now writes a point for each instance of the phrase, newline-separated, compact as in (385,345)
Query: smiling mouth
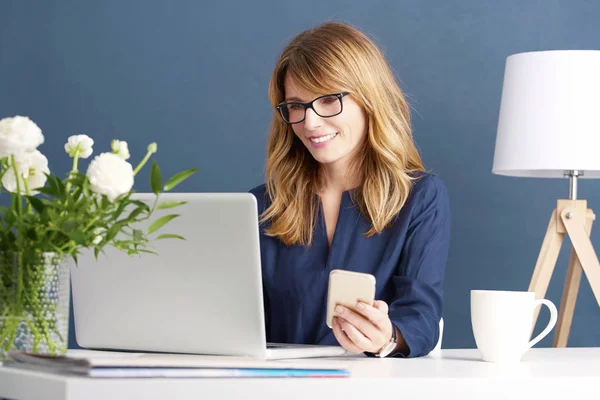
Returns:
(322,139)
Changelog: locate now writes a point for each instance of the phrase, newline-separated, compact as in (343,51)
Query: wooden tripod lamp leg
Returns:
(571,217)
(584,249)
(546,262)
(570,291)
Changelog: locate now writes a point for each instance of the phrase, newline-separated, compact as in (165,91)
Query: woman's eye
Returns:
(295,107)
(328,99)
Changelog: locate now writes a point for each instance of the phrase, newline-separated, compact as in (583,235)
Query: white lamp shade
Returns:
(549,118)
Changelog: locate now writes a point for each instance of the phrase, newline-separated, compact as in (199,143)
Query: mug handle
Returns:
(548,328)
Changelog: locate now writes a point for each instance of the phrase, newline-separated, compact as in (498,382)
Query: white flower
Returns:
(98,238)
(120,148)
(110,175)
(19,134)
(32,166)
(80,145)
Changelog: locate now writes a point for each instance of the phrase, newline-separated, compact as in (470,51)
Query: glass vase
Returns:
(34,303)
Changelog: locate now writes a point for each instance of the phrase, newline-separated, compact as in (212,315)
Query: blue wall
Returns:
(193,77)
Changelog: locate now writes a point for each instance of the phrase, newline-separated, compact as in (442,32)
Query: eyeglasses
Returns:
(325,106)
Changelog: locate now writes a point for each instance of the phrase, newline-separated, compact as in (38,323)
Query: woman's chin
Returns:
(325,159)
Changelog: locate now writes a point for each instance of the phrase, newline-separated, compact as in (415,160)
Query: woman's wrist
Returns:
(401,346)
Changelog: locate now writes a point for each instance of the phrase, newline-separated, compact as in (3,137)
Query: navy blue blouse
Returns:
(408,260)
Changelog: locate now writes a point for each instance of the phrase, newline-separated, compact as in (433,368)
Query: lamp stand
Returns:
(570,217)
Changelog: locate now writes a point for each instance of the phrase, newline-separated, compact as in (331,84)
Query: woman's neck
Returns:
(336,178)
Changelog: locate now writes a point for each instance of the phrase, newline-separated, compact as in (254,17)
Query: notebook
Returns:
(103,364)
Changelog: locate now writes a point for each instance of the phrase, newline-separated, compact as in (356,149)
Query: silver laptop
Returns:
(198,296)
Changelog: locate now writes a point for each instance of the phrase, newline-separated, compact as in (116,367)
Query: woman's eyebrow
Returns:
(293,98)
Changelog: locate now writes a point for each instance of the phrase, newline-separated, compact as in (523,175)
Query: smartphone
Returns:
(348,288)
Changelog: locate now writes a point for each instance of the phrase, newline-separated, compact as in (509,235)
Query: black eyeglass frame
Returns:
(308,105)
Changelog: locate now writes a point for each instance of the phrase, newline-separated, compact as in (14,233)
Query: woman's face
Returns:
(331,140)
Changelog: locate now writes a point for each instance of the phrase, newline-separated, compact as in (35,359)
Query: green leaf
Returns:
(52,214)
(147,251)
(170,204)
(62,190)
(52,190)
(3,210)
(144,206)
(123,244)
(36,203)
(133,215)
(104,203)
(10,217)
(120,209)
(169,236)
(159,223)
(77,193)
(113,231)
(77,237)
(137,235)
(70,226)
(31,234)
(47,191)
(178,178)
(155,178)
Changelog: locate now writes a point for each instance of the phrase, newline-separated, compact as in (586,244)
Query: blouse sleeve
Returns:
(418,298)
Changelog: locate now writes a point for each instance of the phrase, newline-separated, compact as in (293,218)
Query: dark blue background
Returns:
(193,77)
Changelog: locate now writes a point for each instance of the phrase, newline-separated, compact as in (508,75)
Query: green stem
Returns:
(20,267)
(12,315)
(11,333)
(18,194)
(17,311)
(142,163)
(8,332)
(11,312)
(38,312)
(91,223)
(28,193)
(49,342)
(36,283)
(26,183)
(36,338)
(21,234)
(73,169)
(65,248)
(3,163)
(54,328)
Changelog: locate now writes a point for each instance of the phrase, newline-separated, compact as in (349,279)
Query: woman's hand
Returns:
(367,329)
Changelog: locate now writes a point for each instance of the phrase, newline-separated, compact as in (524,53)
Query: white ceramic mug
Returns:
(502,322)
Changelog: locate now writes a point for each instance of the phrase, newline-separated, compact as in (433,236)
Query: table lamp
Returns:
(549,127)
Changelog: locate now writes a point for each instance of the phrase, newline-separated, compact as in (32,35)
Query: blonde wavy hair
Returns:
(335,57)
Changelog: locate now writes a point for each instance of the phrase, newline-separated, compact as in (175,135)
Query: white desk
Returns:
(571,373)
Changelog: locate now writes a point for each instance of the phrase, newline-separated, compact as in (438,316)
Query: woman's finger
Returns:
(342,339)
(358,339)
(374,315)
(382,306)
(363,324)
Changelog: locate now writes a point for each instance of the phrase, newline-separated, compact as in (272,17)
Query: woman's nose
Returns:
(312,119)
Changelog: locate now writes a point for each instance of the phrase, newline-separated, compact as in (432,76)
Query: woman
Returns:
(346,189)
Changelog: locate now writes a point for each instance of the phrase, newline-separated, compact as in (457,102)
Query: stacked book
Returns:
(109,364)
